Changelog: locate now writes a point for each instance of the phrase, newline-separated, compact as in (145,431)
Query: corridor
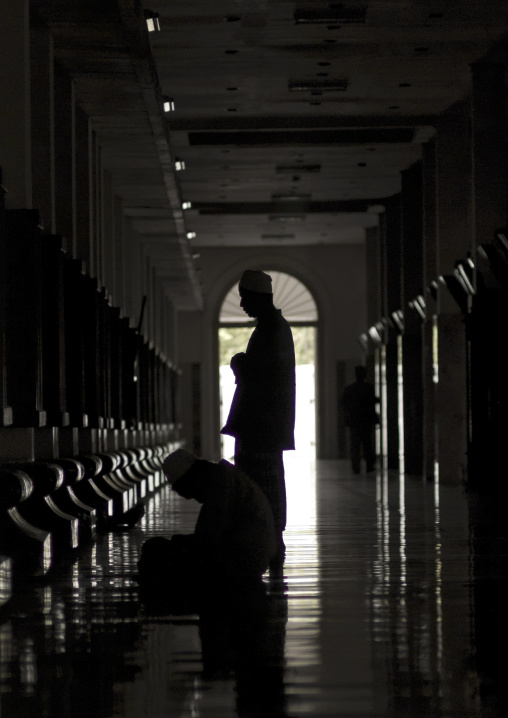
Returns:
(381,611)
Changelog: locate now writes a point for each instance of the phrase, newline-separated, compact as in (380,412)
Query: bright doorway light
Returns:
(235,339)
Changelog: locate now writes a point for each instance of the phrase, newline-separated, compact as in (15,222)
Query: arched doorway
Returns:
(299,308)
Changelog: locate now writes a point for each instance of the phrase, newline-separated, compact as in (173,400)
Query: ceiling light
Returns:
(277,236)
(398,318)
(191,235)
(186,205)
(419,306)
(179,165)
(464,275)
(286,217)
(152,21)
(168,104)
(314,86)
(282,169)
(501,236)
(332,14)
(375,335)
(291,197)
(364,341)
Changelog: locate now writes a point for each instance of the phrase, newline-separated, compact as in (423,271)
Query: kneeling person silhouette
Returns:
(234,537)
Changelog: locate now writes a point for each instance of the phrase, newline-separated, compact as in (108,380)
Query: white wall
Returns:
(334,274)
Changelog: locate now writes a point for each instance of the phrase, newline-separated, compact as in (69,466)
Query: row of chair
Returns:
(49,509)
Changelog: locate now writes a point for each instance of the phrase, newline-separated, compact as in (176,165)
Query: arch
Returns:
(277,260)
(290,295)
(224,270)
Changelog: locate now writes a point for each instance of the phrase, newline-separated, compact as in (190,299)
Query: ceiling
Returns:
(294,119)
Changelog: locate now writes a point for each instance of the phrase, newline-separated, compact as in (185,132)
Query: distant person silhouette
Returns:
(234,537)
(262,414)
(359,405)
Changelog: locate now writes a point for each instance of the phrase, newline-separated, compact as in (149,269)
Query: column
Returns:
(430,274)
(43,145)
(392,251)
(15,139)
(5,409)
(412,286)
(82,247)
(454,217)
(489,355)
(64,177)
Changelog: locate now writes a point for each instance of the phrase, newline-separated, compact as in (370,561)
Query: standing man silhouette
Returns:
(262,414)
(359,403)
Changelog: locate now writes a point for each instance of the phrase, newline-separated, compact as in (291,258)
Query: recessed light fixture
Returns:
(297,168)
(179,165)
(286,218)
(318,86)
(291,197)
(168,104)
(152,21)
(333,14)
(191,235)
(277,236)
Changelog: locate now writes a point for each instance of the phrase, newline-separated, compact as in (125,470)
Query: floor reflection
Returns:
(391,601)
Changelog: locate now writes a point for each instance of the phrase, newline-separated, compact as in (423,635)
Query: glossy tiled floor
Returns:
(392,602)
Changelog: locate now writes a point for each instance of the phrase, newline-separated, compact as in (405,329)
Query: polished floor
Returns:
(392,602)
